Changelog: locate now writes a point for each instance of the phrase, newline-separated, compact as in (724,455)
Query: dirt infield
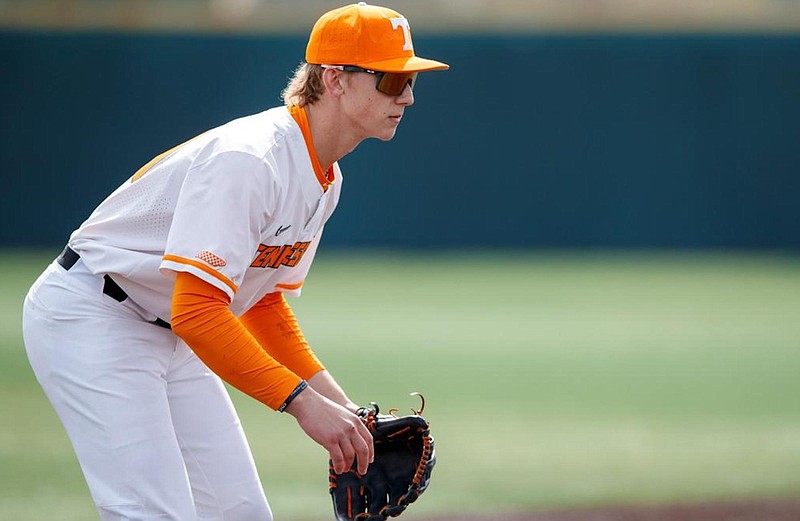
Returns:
(766,510)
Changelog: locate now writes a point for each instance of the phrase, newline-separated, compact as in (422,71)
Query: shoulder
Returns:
(265,137)
(257,133)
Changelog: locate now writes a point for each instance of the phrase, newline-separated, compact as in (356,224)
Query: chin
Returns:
(387,136)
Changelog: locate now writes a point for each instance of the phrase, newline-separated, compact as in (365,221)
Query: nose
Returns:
(407,96)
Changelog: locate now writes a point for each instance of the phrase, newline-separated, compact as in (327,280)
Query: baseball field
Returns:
(566,382)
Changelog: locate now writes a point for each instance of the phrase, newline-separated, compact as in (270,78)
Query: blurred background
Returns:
(568,124)
(583,245)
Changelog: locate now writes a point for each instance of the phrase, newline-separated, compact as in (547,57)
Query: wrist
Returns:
(302,386)
(352,407)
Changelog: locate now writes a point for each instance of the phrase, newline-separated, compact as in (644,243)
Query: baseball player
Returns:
(176,283)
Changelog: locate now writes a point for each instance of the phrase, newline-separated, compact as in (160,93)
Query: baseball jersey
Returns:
(241,206)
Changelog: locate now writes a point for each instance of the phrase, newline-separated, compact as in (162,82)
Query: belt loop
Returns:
(162,323)
(113,290)
(67,258)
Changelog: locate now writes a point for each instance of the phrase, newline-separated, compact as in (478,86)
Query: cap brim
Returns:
(405,64)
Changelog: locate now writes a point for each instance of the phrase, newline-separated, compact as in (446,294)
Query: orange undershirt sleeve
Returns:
(201,317)
(275,326)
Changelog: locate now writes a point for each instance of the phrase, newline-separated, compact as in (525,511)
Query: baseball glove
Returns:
(399,474)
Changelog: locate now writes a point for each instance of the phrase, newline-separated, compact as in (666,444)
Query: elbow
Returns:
(182,326)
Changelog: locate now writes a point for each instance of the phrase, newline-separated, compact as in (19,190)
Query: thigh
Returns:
(102,369)
(223,475)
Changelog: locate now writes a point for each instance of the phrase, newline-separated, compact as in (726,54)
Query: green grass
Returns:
(552,380)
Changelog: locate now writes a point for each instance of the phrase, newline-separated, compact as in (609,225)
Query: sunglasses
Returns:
(390,83)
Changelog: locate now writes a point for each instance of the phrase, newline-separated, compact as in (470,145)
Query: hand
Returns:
(336,429)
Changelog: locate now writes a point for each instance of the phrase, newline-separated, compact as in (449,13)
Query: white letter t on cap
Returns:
(402,22)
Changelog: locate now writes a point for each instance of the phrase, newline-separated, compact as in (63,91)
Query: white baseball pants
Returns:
(154,430)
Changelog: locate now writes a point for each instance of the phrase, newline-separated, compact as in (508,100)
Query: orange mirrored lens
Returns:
(394,83)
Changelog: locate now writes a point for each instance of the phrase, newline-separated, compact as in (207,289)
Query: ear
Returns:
(333,81)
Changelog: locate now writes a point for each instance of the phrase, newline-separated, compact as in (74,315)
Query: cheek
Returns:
(368,112)
(360,105)
(364,105)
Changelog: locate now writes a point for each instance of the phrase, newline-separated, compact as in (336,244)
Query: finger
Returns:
(337,459)
(364,454)
(366,435)
(348,454)
(362,462)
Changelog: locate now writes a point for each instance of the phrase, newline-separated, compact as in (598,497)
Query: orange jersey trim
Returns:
(301,118)
(150,164)
(199,265)
(297,285)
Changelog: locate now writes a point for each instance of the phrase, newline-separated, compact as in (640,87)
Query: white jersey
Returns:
(241,207)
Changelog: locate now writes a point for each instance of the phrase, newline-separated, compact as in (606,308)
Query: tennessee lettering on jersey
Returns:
(276,256)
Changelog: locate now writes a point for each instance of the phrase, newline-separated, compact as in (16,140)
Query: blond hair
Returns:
(305,86)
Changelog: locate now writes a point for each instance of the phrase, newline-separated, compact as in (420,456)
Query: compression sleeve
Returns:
(275,326)
(201,317)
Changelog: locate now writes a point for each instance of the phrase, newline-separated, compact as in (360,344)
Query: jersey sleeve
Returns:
(223,204)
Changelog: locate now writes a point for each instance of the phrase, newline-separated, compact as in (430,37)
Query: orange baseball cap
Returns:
(367,36)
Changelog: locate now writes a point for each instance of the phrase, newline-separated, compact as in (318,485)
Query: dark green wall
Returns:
(555,141)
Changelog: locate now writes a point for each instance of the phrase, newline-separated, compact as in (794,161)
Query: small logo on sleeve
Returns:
(282,229)
(211,259)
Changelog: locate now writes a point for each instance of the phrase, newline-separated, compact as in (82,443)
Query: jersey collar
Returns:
(325,178)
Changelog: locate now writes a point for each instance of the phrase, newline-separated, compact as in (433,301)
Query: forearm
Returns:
(273,323)
(324,383)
